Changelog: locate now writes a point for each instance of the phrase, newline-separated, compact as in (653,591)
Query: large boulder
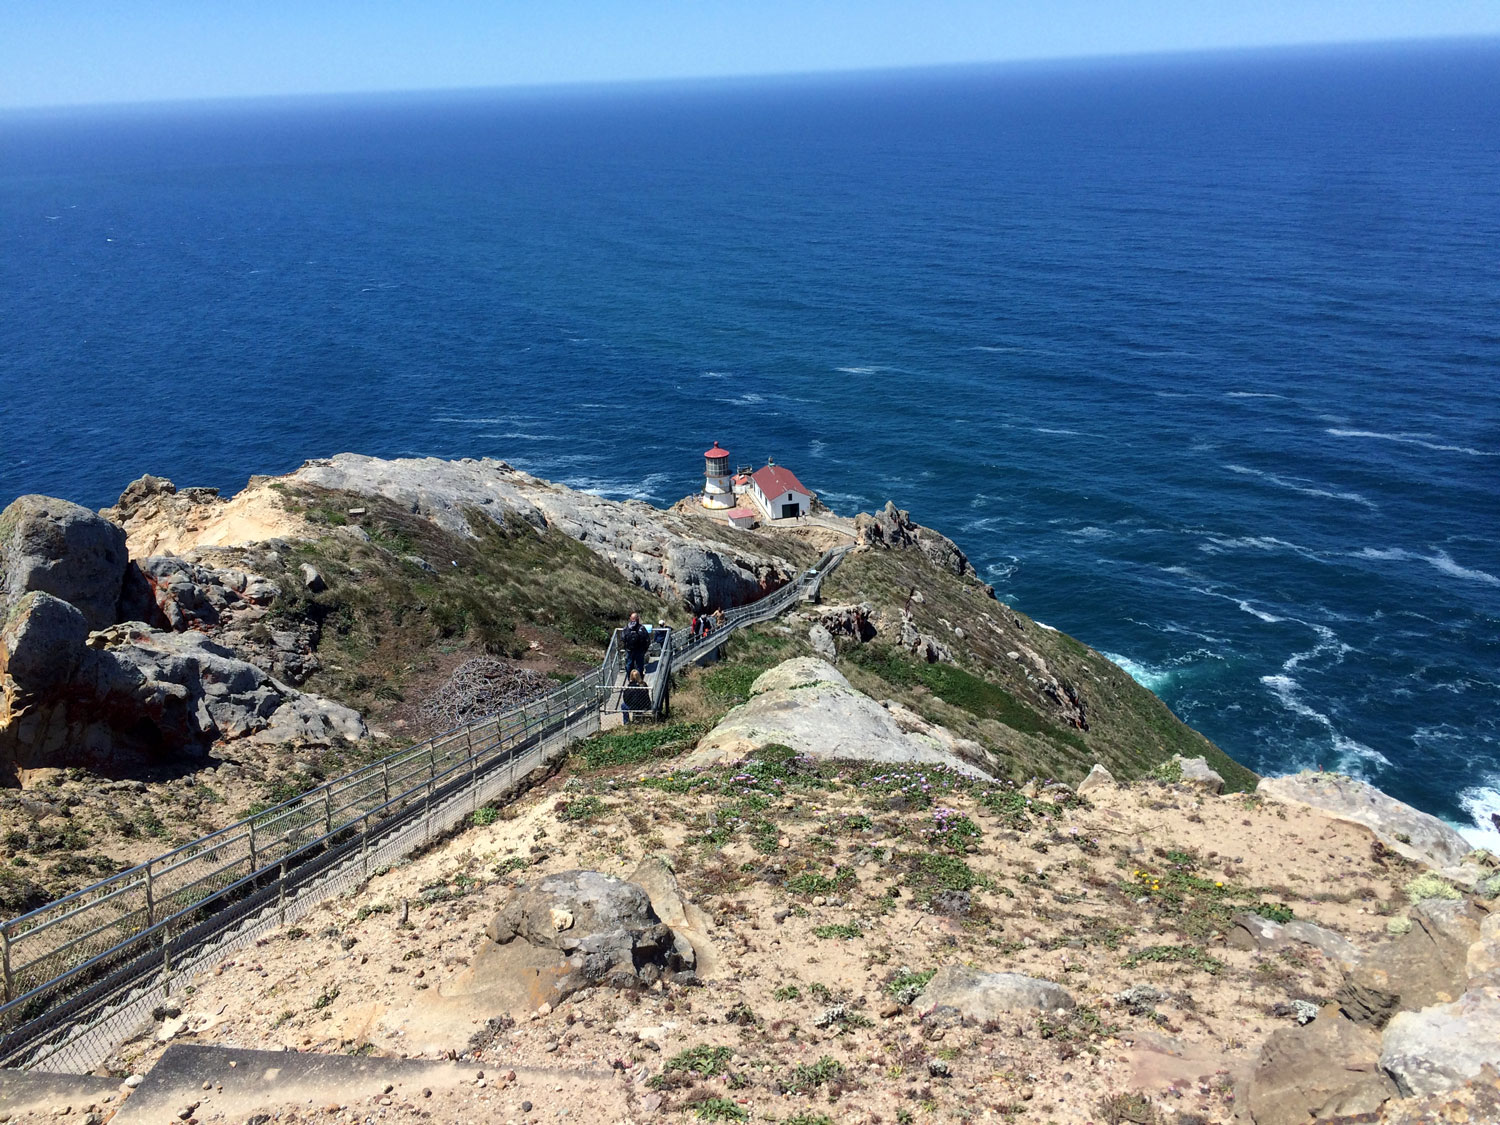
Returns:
(806,704)
(59,548)
(1197,773)
(41,645)
(571,930)
(1409,832)
(974,994)
(1444,1046)
(1326,1068)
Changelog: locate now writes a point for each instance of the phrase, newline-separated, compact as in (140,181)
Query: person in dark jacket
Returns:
(636,640)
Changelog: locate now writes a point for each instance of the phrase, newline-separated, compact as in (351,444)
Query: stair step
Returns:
(263,1082)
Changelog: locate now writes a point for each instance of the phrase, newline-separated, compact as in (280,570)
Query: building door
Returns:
(790,511)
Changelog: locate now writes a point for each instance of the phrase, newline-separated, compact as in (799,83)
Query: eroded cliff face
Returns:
(110,664)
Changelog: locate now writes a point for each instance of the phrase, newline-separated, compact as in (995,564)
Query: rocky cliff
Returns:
(226,652)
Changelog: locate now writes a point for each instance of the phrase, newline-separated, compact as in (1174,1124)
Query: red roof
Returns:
(774,480)
(717,452)
(741,513)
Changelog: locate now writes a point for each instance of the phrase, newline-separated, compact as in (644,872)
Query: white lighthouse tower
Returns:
(718,490)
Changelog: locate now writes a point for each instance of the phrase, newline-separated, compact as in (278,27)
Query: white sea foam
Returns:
(750,398)
(1302,485)
(1439,560)
(1152,679)
(1045,430)
(1246,607)
(1349,756)
(456,420)
(861,370)
(1414,439)
(716,375)
(1090,532)
(614,489)
(1251,394)
(1481,802)
(1218,545)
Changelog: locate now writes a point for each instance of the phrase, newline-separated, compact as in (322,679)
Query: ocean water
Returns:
(1196,357)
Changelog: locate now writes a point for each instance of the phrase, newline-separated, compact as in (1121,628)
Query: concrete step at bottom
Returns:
(36,1092)
(243,1085)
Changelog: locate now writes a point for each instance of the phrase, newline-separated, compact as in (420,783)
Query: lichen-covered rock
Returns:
(59,548)
(132,693)
(1416,835)
(822,642)
(1444,1046)
(41,645)
(1252,932)
(808,705)
(978,995)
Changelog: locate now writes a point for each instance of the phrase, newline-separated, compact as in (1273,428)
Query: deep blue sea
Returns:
(1197,357)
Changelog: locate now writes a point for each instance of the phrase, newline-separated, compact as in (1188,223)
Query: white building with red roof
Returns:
(779,493)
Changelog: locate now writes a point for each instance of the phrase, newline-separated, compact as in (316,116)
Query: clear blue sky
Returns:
(61,52)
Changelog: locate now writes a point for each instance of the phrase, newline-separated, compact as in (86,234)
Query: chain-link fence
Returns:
(81,972)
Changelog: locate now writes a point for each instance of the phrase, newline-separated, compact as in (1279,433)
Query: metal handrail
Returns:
(68,949)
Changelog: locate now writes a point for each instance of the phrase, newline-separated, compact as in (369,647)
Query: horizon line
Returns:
(581,85)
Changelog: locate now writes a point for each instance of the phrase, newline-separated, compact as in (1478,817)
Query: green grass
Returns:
(582,809)
(844,931)
(632,747)
(1193,956)
(721,1109)
(703,1060)
(958,688)
(809,1076)
(813,883)
(910,980)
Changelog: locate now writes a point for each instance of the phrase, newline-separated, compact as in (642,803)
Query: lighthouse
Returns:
(718,491)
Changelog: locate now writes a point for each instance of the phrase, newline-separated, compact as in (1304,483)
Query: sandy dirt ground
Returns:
(1082,897)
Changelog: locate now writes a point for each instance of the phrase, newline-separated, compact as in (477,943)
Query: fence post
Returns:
(281,892)
(328,809)
(10,984)
(254,851)
(150,899)
(385,780)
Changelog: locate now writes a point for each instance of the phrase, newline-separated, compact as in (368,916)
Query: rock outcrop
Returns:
(1416,835)
(659,551)
(78,689)
(808,705)
(59,548)
(893,528)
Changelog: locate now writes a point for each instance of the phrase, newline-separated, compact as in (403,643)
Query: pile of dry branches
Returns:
(482,687)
